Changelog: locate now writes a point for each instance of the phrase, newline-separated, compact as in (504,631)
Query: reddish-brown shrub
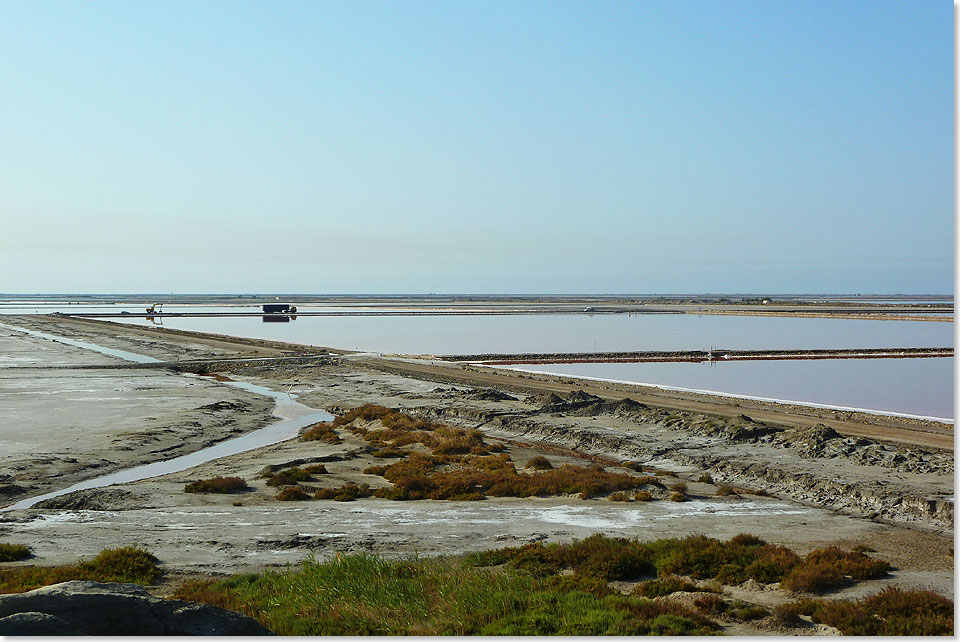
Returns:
(852,563)
(288,476)
(346,493)
(292,493)
(890,612)
(322,431)
(216,485)
(815,578)
(539,463)
(711,604)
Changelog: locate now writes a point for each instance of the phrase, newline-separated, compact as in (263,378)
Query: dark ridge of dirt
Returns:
(94,499)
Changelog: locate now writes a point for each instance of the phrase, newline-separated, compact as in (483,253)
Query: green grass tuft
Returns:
(367,595)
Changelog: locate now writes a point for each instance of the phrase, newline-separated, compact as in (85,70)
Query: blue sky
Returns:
(503,147)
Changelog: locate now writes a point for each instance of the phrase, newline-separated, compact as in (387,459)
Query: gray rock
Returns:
(93,608)
(33,623)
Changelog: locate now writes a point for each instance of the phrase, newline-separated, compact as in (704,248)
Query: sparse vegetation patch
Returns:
(128,564)
(13,552)
(293,493)
(288,476)
(892,611)
(539,463)
(216,485)
(322,431)
(461,465)
(346,493)
(699,557)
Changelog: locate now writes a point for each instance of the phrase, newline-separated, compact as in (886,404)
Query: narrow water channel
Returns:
(294,417)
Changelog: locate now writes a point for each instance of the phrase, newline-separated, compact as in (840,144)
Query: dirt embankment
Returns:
(865,478)
(905,430)
(693,355)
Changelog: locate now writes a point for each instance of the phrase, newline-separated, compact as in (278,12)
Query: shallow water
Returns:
(112,352)
(575,332)
(920,387)
(294,415)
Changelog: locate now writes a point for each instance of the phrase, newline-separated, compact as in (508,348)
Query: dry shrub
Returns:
(723,491)
(127,564)
(890,612)
(679,487)
(346,493)
(743,557)
(663,586)
(746,539)
(539,463)
(292,494)
(705,478)
(216,485)
(490,462)
(678,497)
(389,453)
(375,470)
(737,610)
(316,469)
(417,477)
(620,496)
(598,556)
(852,563)
(772,563)
(749,612)
(322,431)
(713,604)
(651,481)
(288,476)
(789,614)
(643,496)
(815,578)
(663,617)
(827,568)
(14,552)
(391,419)
(821,570)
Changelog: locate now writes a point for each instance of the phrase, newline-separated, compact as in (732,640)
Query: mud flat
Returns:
(804,484)
(68,416)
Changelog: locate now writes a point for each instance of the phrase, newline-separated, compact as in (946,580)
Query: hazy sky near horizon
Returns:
(501,147)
